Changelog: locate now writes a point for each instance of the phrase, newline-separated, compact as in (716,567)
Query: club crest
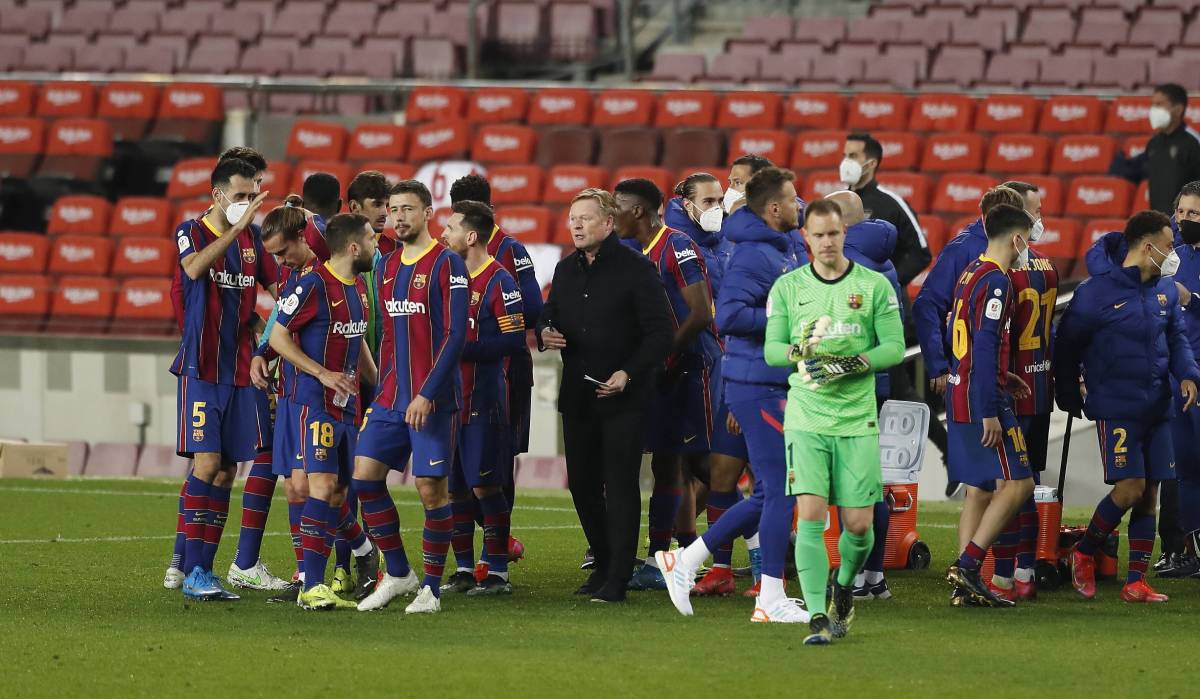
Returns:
(419,280)
(856,301)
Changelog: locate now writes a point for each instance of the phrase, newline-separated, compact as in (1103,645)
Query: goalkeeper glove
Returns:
(822,369)
(811,334)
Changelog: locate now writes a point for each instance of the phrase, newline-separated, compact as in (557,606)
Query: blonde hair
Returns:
(604,199)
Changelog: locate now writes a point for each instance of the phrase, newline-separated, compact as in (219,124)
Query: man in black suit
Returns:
(608,315)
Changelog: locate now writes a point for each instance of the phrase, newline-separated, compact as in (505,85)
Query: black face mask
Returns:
(1189,231)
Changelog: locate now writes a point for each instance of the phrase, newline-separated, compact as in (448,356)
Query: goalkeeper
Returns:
(839,323)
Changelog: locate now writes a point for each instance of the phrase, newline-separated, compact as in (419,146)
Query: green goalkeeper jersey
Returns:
(863,318)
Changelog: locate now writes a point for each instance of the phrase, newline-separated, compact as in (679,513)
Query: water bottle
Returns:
(340,399)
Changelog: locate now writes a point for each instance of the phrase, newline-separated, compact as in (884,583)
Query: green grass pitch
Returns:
(83,613)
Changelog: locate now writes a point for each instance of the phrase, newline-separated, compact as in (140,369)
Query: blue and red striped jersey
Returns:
(680,265)
(495,331)
(515,259)
(424,298)
(286,386)
(979,345)
(217,338)
(327,316)
(1034,292)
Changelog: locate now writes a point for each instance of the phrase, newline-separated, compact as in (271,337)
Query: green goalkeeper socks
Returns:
(812,563)
(854,550)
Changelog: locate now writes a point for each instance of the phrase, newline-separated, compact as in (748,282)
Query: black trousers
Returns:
(604,457)
(1169,529)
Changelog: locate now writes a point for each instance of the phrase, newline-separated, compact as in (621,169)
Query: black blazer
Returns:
(615,316)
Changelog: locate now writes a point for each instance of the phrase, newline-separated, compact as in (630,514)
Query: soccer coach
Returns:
(607,314)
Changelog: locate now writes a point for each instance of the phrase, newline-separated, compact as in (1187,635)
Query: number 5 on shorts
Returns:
(198,416)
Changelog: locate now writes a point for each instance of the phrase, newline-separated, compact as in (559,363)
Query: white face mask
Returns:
(731,197)
(850,172)
(235,210)
(710,220)
(1022,254)
(1170,265)
(1038,230)
(1159,117)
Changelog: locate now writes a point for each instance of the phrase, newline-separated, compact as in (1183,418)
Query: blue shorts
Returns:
(973,464)
(286,455)
(327,445)
(723,442)
(484,457)
(386,438)
(212,418)
(680,419)
(1134,450)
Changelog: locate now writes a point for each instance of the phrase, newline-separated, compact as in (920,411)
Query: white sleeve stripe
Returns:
(1195,134)
(907,212)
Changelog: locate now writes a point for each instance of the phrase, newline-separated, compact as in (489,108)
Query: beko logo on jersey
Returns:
(1038,367)
(403,307)
(352,328)
(458,282)
(227,280)
(522,262)
(510,296)
(686,254)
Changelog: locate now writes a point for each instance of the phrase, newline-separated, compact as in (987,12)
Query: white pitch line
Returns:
(127,539)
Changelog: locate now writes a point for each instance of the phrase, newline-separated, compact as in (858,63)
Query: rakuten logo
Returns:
(1005,112)
(556,105)
(375,139)
(1068,112)
(494,103)
(874,110)
(15,294)
(1080,153)
(1050,235)
(227,280)
(496,142)
(824,187)
(78,295)
(743,109)
(73,137)
(892,148)
(818,149)
(618,105)
(125,100)
(933,110)
(191,178)
(435,138)
(509,183)
(314,139)
(681,107)
(567,183)
(75,214)
(61,98)
(950,151)
(12,252)
(963,192)
(1015,151)
(1094,195)
(140,298)
(183,100)
(904,190)
(754,145)
(140,255)
(434,101)
(15,134)
(1133,112)
(350,329)
(8,96)
(809,107)
(403,307)
(77,253)
(519,225)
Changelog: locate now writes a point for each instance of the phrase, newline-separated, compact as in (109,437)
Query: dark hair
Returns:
(246,153)
(1021,188)
(644,190)
(871,147)
(1191,189)
(412,187)
(286,221)
(344,229)
(477,217)
(471,187)
(1174,93)
(687,186)
(1144,224)
(322,193)
(229,168)
(766,185)
(822,207)
(999,195)
(1005,219)
(294,200)
(754,162)
(370,184)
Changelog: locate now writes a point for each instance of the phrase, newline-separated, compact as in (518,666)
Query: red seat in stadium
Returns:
(24,301)
(686,108)
(1007,113)
(623,108)
(563,182)
(878,111)
(503,143)
(373,141)
(718,171)
(901,149)
(515,184)
(342,171)
(1128,114)
(736,68)
(1017,153)
(497,104)
(1141,197)
(812,150)
(393,171)
(1059,243)
(775,146)
(160,461)
(661,177)
(677,67)
(434,103)
(66,99)
(560,106)
(561,145)
(22,141)
(941,112)
(1050,187)
(1081,114)
(128,108)
(190,178)
(529,224)
(820,183)
(954,152)
(81,214)
(148,257)
(824,31)
(23,253)
(814,110)
(16,98)
(1082,155)
(141,216)
(913,187)
(934,229)
(82,304)
(628,146)
(276,180)
(189,112)
(81,254)
(960,193)
(1099,196)
(1093,230)
(190,209)
(76,149)
(111,459)
(441,140)
(749,110)
(1133,146)
(686,147)
(316,140)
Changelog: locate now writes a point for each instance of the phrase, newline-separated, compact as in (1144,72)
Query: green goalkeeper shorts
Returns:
(844,470)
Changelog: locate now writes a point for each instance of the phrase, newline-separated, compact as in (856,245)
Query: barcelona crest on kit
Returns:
(419,281)
(856,301)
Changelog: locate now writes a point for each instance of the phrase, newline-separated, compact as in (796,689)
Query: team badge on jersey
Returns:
(856,301)
(418,281)
(320,454)
(1162,299)
(197,435)
(364,300)
(475,298)
(248,255)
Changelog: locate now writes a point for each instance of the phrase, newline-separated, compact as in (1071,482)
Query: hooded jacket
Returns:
(871,243)
(1124,336)
(933,302)
(760,256)
(715,248)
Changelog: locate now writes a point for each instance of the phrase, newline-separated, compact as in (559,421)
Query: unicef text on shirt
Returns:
(228,280)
